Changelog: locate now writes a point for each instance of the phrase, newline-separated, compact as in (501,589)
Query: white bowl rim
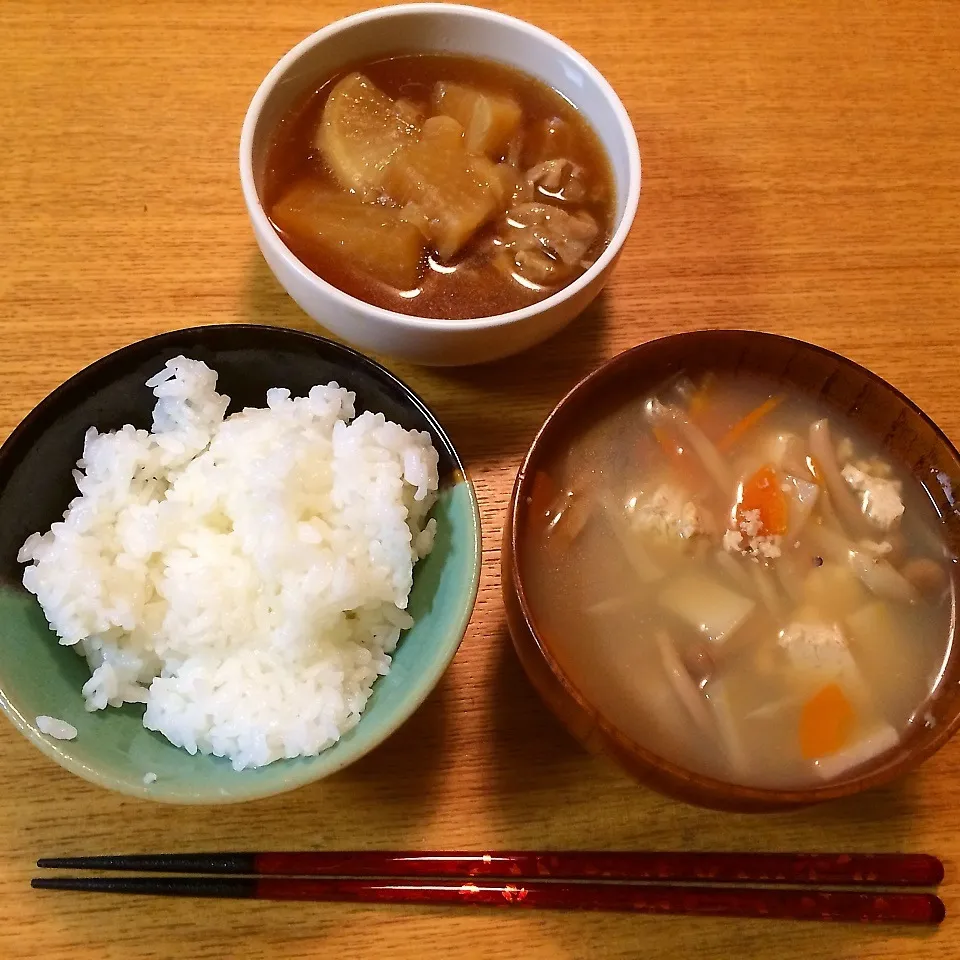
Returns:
(265,228)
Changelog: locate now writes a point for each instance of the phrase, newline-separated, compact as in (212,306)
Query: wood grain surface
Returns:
(800,175)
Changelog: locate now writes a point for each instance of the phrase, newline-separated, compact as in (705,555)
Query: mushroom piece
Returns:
(699,663)
(926,576)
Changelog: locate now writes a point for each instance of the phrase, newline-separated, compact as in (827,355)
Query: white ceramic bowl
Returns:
(438,28)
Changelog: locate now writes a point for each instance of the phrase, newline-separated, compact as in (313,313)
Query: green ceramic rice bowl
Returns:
(39,677)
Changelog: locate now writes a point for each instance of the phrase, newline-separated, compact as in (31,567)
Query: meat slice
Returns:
(545,244)
(560,179)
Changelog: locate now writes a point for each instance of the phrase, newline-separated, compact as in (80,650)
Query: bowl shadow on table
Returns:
(700,254)
(397,781)
(532,749)
(696,257)
(401,776)
(265,301)
(490,410)
(384,800)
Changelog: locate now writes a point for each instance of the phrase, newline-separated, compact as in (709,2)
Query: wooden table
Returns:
(800,176)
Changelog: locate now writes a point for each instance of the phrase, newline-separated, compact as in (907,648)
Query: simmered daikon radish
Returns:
(488,120)
(507,185)
(360,131)
(709,608)
(376,238)
(456,191)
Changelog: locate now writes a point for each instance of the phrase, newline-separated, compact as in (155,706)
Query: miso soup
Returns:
(439,186)
(742,582)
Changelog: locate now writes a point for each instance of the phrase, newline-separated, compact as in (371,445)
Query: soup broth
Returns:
(740,582)
(439,186)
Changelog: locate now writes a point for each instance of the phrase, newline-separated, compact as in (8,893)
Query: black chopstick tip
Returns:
(49,883)
(69,863)
(208,863)
(189,886)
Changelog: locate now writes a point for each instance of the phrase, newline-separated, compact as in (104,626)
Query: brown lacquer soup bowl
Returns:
(901,430)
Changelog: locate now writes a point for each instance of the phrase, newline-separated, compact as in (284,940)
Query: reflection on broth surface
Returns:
(741,582)
(439,186)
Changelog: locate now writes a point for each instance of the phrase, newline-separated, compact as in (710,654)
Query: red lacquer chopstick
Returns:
(838,906)
(870,869)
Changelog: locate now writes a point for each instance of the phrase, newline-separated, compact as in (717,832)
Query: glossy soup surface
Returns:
(439,186)
(741,583)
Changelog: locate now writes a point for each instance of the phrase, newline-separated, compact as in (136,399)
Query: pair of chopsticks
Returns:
(796,886)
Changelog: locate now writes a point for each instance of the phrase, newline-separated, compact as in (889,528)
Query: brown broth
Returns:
(474,287)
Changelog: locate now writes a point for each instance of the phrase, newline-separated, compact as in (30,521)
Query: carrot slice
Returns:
(749,422)
(762,493)
(826,722)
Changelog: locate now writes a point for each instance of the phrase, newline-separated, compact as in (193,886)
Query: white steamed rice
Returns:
(56,728)
(246,578)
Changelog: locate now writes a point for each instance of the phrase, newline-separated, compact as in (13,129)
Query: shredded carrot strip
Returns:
(687,467)
(669,445)
(749,422)
(701,400)
(645,449)
(762,493)
(542,495)
(826,722)
(568,519)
